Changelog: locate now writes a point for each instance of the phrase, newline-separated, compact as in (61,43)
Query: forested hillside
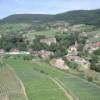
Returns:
(90,17)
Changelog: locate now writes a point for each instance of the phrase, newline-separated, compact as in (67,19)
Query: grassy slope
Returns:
(37,85)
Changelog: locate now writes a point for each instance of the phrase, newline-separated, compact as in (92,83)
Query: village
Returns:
(71,55)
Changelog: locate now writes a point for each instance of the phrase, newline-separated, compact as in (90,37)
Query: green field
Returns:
(35,77)
(10,86)
(45,33)
(37,85)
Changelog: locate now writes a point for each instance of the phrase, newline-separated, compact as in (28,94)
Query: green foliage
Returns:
(66,39)
(97,52)
(94,63)
(59,50)
(94,59)
(90,79)
(27,57)
(95,67)
(71,64)
(80,17)
(9,41)
(25,18)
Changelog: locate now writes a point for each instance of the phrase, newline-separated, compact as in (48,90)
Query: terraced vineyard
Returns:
(39,85)
(10,86)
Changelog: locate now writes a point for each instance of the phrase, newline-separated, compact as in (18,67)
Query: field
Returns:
(37,85)
(13,28)
(45,32)
(44,82)
(10,86)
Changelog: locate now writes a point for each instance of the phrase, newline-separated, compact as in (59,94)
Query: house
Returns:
(48,40)
(59,63)
(97,44)
(30,50)
(92,47)
(44,53)
(82,64)
(62,29)
(77,59)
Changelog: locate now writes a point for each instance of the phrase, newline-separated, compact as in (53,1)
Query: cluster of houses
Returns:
(72,55)
(92,47)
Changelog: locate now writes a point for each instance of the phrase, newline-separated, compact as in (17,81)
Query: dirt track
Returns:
(62,88)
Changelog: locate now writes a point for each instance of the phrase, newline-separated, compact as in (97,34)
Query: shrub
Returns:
(72,64)
(27,57)
(90,79)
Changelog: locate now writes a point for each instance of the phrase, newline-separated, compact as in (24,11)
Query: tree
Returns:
(97,52)
(94,59)
(94,63)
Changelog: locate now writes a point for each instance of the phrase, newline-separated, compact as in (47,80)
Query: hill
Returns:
(90,17)
(25,18)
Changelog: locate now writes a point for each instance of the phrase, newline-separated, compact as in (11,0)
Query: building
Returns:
(92,47)
(48,40)
(42,53)
(72,50)
(59,63)
(77,59)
